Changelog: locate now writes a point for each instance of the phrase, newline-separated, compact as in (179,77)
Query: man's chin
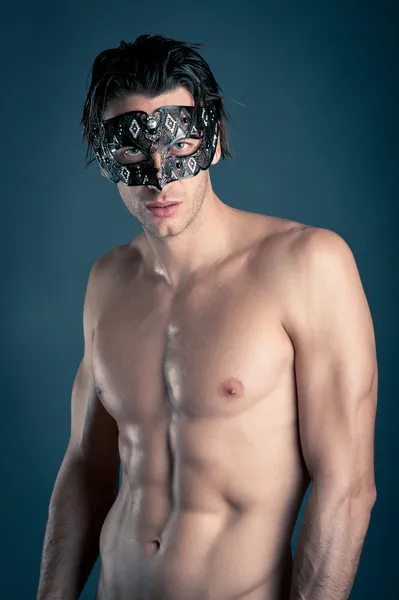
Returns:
(163,233)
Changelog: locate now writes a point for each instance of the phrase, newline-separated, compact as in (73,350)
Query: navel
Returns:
(150,548)
(231,388)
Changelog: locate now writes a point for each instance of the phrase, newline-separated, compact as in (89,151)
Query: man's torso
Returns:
(201,383)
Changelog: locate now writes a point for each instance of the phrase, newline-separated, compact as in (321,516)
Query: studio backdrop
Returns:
(312,91)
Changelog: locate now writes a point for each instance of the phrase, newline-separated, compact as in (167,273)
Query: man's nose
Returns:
(157,158)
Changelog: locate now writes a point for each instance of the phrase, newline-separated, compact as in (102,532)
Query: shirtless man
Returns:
(229,361)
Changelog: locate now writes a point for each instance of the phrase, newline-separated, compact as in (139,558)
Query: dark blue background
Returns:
(317,142)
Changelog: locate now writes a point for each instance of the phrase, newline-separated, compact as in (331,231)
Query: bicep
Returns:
(94,432)
(335,367)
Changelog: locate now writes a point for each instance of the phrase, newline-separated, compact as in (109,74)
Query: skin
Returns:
(229,361)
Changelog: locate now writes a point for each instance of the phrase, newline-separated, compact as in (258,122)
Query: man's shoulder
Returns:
(269,230)
(306,245)
(113,268)
(115,260)
(294,243)
(275,239)
(289,253)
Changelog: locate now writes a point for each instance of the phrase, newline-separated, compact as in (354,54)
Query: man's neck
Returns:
(206,241)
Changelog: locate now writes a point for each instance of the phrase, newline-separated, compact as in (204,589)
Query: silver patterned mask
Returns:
(123,145)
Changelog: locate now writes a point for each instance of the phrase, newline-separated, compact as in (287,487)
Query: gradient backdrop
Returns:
(317,141)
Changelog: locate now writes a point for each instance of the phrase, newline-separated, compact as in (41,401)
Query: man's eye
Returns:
(127,156)
(186,146)
(132,152)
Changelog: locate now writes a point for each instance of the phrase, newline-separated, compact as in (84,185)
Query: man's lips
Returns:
(163,209)
(162,204)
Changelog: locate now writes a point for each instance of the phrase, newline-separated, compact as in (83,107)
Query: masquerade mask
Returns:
(124,144)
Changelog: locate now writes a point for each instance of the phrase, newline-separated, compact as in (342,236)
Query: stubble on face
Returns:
(188,213)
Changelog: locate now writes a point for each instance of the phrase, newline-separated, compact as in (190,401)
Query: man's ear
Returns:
(218,151)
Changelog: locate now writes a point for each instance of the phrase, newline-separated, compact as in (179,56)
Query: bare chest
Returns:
(216,350)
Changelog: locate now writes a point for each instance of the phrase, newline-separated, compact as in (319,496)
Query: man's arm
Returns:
(88,479)
(336,376)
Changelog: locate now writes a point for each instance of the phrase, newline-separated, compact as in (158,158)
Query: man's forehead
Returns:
(118,106)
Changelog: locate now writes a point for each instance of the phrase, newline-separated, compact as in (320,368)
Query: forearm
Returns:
(329,547)
(78,507)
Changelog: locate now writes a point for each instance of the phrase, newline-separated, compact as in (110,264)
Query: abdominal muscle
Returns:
(234,553)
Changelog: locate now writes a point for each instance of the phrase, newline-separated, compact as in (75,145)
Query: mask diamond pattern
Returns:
(134,128)
(170,124)
(191,164)
(125,173)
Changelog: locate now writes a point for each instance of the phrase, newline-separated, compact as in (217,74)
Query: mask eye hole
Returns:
(185,147)
(128,155)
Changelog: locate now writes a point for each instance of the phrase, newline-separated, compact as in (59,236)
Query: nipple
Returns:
(231,388)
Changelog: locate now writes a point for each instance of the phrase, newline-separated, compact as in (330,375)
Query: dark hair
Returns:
(151,65)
